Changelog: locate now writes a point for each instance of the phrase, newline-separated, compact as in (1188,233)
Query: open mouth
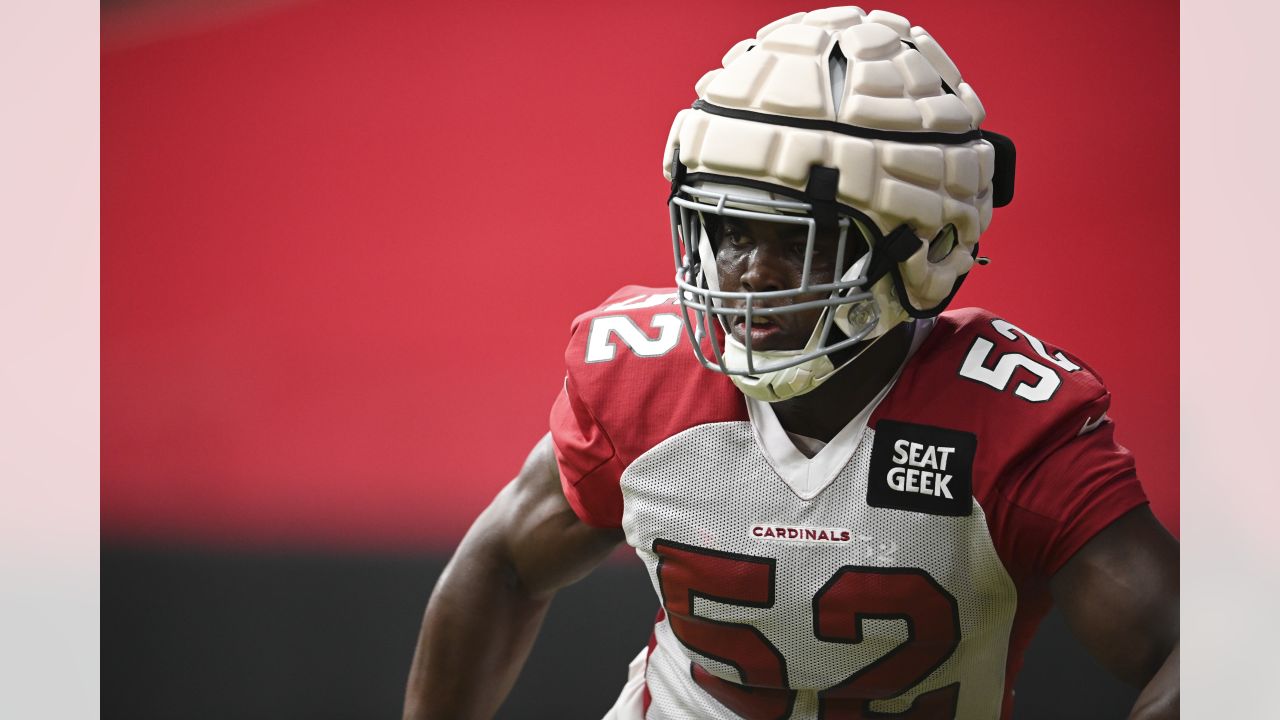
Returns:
(763,329)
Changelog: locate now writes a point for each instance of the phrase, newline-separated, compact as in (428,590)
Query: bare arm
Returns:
(487,607)
(1120,596)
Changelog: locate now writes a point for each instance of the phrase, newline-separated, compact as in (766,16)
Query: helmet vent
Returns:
(943,243)
(837,65)
(945,87)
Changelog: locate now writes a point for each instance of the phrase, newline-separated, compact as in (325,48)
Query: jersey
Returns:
(899,572)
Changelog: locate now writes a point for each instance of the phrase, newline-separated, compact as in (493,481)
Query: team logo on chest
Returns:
(786,533)
(921,468)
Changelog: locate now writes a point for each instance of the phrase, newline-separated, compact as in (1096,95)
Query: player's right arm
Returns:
(487,606)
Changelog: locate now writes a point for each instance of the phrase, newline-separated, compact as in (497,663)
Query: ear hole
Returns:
(942,244)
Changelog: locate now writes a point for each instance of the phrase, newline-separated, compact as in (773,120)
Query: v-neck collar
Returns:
(808,477)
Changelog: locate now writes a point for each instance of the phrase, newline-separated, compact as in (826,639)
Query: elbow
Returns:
(1163,706)
(1160,697)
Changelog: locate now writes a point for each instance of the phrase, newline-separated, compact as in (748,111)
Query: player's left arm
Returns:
(1119,594)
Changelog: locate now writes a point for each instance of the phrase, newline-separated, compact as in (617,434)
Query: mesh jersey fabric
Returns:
(664,449)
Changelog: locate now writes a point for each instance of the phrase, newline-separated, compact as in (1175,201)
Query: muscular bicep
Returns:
(1119,594)
(531,524)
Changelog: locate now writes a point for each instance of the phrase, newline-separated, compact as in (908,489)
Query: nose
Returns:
(765,269)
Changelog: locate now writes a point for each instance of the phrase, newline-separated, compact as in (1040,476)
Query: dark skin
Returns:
(1119,593)
(754,256)
(489,603)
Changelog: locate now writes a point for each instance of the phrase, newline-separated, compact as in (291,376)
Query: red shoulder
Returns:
(631,381)
(979,370)
(1046,468)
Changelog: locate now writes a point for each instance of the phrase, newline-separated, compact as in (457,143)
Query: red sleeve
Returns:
(617,405)
(1078,481)
(1045,486)
(589,466)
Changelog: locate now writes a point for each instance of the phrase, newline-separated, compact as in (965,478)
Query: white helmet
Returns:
(839,119)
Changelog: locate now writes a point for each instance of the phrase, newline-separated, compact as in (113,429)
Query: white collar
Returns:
(807,477)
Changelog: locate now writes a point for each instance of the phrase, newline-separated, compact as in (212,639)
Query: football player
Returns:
(850,503)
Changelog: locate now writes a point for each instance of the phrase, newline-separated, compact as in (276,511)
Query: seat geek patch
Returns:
(921,468)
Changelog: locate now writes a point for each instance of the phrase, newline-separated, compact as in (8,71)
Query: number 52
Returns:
(999,376)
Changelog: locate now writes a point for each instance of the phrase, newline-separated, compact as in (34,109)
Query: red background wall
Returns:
(342,242)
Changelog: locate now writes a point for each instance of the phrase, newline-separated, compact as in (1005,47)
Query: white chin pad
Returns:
(776,385)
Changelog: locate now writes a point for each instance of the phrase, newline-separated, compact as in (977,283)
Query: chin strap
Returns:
(897,247)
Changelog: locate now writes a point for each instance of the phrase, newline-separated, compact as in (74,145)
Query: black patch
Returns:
(914,467)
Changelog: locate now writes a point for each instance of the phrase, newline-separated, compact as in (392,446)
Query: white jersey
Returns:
(901,570)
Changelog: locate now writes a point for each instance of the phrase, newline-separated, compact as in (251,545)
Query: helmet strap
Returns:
(905,300)
(678,172)
(824,183)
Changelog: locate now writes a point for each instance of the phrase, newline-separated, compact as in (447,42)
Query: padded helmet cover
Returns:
(895,78)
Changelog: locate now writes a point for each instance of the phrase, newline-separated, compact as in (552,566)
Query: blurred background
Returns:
(341,247)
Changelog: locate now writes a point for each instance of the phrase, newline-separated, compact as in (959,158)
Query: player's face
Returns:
(763,256)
